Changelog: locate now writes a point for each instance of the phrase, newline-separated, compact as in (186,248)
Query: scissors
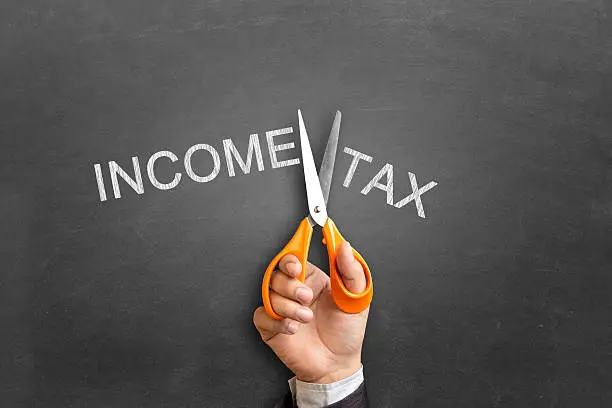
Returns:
(317,193)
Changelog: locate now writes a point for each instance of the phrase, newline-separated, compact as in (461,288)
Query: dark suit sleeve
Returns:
(286,402)
(358,399)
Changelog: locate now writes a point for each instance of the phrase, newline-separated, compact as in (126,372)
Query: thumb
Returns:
(350,269)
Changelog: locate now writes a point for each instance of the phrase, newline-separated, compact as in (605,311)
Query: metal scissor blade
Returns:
(316,202)
(326,170)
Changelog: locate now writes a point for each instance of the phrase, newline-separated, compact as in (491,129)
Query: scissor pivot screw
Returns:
(316,209)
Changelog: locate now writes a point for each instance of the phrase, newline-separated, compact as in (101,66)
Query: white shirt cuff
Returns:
(310,395)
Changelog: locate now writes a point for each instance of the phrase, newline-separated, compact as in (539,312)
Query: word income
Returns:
(383,180)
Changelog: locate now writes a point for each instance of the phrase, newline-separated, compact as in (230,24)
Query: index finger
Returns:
(290,265)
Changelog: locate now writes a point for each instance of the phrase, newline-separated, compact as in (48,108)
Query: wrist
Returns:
(336,374)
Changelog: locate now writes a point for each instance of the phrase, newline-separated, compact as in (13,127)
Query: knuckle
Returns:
(275,300)
(274,277)
(257,316)
(287,326)
(283,285)
(277,278)
(281,305)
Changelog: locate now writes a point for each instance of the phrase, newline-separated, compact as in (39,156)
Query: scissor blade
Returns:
(326,171)
(316,202)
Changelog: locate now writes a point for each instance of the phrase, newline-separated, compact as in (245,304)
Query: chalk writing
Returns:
(383,180)
(216,160)
(387,172)
(230,150)
(151,171)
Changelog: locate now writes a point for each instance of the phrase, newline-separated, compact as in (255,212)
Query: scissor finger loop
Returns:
(317,193)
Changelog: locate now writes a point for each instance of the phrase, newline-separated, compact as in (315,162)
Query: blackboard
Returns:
(498,297)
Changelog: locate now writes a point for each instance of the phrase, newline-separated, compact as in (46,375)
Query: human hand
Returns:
(315,339)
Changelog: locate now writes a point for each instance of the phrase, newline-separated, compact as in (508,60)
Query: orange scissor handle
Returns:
(346,300)
(298,246)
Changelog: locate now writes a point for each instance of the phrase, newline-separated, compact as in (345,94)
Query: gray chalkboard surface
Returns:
(497,295)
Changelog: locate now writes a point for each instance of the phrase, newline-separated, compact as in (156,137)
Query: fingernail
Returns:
(303,314)
(303,295)
(292,327)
